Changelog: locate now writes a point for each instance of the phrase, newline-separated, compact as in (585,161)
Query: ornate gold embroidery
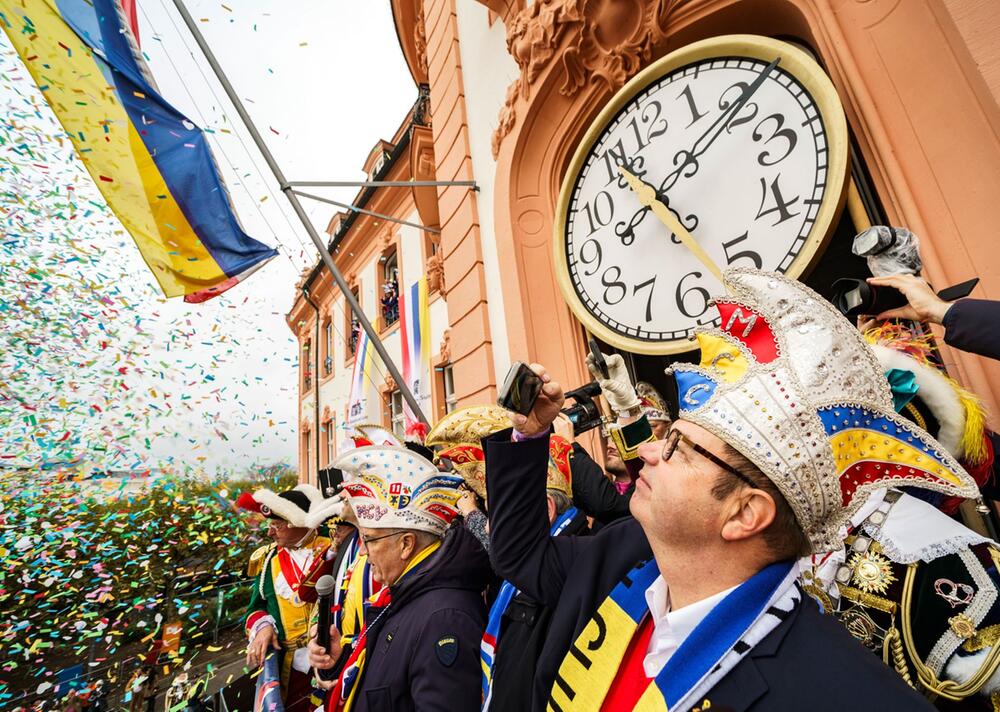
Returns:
(814,587)
(867,599)
(861,625)
(962,626)
(872,572)
(985,638)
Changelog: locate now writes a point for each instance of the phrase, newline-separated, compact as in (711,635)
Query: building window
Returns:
(307,364)
(390,289)
(450,399)
(397,422)
(328,347)
(330,442)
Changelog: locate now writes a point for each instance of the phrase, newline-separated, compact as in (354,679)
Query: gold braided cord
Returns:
(915,414)
(949,689)
(892,655)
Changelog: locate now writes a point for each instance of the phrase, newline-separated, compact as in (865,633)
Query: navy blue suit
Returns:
(971,325)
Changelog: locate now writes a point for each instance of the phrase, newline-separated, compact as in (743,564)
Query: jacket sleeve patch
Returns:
(446,650)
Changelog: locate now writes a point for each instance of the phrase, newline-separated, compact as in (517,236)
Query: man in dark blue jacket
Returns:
(694,603)
(419,648)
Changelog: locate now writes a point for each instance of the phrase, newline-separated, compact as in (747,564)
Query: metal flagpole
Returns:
(381,183)
(297,207)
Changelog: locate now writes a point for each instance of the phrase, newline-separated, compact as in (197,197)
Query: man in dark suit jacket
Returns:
(732,631)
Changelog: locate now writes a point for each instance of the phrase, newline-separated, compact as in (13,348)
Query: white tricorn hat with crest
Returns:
(395,488)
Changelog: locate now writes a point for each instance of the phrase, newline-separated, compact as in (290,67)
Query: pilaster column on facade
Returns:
(929,124)
(471,345)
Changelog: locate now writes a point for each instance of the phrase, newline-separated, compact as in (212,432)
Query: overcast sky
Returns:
(324,80)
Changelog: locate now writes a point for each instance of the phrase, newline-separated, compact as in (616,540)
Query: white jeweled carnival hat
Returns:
(791,383)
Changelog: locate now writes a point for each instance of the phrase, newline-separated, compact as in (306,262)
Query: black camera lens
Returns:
(854,297)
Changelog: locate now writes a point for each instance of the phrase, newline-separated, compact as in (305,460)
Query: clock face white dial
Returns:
(749,192)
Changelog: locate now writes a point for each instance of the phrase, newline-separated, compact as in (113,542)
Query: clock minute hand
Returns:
(647,196)
(688,159)
(722,120)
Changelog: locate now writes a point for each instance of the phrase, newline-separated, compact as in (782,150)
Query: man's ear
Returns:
(551,506)
(409,546)
(751,511)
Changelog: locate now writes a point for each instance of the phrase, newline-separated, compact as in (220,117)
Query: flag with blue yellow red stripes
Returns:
(153,165)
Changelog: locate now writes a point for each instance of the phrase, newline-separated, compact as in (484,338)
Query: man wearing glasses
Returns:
(419,646)
(693,604)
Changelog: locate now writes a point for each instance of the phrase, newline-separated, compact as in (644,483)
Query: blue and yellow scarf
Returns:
(707,655)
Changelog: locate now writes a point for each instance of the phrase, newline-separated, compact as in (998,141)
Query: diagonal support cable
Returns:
(356,209)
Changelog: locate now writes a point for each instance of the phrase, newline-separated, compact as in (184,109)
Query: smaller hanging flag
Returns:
(356,411)
(415,328)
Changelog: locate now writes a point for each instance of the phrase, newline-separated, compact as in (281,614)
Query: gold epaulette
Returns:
(962,627)
(257,558)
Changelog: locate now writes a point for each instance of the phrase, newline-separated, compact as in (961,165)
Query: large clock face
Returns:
(756,187)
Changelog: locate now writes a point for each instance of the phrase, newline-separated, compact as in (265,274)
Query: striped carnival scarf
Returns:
(740,621)
(491,637)
(267,694)
(350,556)
(341,696)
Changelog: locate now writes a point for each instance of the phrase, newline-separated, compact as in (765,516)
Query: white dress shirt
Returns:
(671,628)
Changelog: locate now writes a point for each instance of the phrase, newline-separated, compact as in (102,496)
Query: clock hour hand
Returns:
(647,196)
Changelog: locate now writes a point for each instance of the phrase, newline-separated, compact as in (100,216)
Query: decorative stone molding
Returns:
(445,349)
(424,168)
(420,40)
(390,383)
(500,7)
(434,269)
(594,40)
(303,276)
(327,414)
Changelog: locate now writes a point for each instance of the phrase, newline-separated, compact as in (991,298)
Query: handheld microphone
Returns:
(324,589)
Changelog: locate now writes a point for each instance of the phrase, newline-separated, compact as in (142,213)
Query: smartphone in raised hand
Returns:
(520,389)
(599,361)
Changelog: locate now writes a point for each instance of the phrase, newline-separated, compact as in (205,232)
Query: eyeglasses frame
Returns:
(366,541)
(674,436)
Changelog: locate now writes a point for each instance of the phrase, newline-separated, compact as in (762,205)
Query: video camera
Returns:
(584,413)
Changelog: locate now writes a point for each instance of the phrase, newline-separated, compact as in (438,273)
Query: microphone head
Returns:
(325,585)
